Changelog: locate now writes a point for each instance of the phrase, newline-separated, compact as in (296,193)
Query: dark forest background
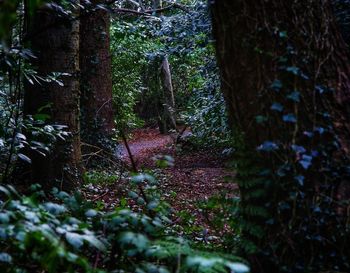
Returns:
(263,85)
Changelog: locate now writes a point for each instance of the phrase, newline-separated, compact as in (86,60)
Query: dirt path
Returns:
(195,177)
(144,144)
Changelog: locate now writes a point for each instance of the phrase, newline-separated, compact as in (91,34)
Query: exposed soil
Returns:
(195,177)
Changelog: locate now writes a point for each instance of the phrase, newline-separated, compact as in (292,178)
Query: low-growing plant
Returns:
(65,233)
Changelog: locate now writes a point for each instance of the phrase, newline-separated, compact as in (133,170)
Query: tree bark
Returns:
(266,51)
(55,41)
(167,115)
(167,111)
(246,72)
(96,76)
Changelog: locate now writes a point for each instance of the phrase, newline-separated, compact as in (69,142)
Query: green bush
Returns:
(68,234)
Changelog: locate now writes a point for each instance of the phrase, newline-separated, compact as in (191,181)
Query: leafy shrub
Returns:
(186,39)
(130,46)
(99,177)
(67,234)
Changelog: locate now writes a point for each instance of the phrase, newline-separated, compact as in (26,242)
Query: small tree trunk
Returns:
(55,41)
(168,120)
(96,76)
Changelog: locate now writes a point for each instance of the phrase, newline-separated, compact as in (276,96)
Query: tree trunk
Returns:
(96,76)
(55,41)
(167,116)
(284,68)
(166,112)
(245,71)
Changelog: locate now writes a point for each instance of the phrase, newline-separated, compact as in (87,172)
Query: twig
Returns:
(150,12)
(100,196)
(181,133)
(133,164)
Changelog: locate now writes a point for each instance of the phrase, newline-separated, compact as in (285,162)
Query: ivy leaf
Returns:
(314,153)
(306,161)
(276,85)
(298,149)
(293,69)
(290,118)
(320,130)
(268,146)
(300,179)
(308,134)
(294,96)
(320,89)
(283,34)
(261,119)
(277,107)
(282,170)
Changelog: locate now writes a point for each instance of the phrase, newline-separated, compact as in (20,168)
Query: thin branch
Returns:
(134,167)
(150,12)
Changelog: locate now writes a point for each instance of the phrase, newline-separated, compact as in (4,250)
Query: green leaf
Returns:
(138,240)
(55,209)
(41,117)
(91,213)
(92,240)
(4,217)
(142,177)
(238,267)
(75,239)
(5,257)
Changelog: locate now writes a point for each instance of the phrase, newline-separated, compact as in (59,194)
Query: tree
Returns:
(96,75)
(166,111)
(167,119)
(285,77)
(54,39)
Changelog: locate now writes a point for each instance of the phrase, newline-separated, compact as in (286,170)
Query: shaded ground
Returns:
(195,177)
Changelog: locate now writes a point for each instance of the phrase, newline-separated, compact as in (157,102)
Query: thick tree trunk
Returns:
(278,59)
(96,76)
(247,69)
(55,41)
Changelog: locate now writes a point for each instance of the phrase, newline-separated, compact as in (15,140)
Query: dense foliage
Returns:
(291,160)
(61,232)
(185,37)
(67,234)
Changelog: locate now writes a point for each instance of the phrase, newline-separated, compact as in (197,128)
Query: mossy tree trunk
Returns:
(54,40)
(285,72)
(96,76)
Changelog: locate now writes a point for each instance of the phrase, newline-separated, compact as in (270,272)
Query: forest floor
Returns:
(196,176)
